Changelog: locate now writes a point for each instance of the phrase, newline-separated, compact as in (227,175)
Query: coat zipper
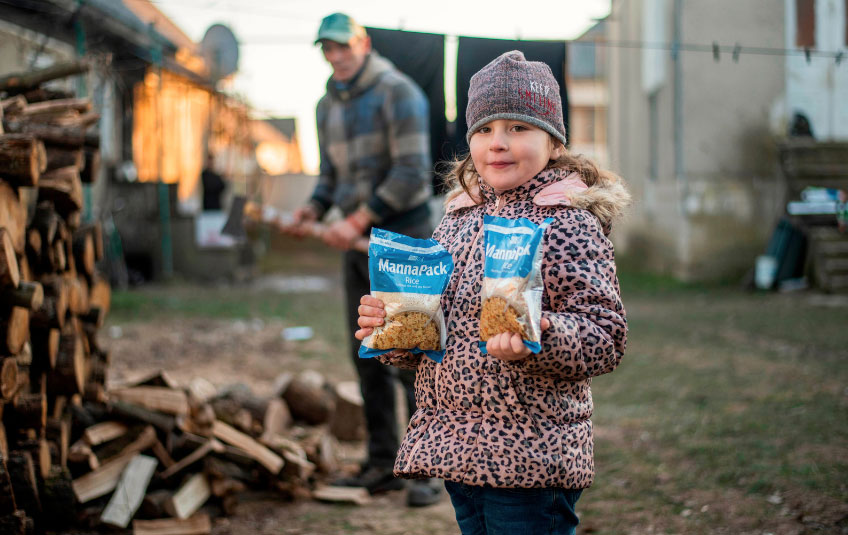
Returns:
(498,206)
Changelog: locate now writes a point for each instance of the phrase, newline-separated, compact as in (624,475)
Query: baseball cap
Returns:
(340,28)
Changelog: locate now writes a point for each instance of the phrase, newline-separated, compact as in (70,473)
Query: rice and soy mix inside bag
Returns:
(409,276)
(512,283)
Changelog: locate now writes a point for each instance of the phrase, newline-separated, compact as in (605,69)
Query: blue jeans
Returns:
(491,511)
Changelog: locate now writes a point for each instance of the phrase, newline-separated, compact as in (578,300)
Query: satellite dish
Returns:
(220,49)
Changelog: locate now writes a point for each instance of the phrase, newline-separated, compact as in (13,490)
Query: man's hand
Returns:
(509,346)
(301,219)
(341,235)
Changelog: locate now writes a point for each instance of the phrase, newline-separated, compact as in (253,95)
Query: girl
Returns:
(509,431)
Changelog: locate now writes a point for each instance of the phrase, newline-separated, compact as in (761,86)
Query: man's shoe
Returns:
(424,492)
(375,479)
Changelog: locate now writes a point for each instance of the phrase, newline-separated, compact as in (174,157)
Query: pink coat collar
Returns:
(559,193)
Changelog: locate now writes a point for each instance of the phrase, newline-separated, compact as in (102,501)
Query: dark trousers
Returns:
(376,380)
(491,511)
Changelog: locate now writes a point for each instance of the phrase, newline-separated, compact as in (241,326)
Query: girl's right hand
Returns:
(371,313)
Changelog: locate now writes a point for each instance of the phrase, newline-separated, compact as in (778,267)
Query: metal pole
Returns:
(164,201)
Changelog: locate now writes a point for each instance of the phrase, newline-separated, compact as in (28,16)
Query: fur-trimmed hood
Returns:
(606,199)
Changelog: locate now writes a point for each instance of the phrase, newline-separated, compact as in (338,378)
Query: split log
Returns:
(20,82)
(54,306)
(7,496)
(80,452)
(77,295)
(8,378)
(39,452)
(14,330)
(155,398)
(190,497)
(13,105)
(84,253)
(127,410)
(10,275)
(308,398)
(13,216)
(277,418)
(57,497)
(24,484)
(104,479)
(91,166)
(260,453)
(56,106)
(129,492)
(198,454)
(356,495)
(163,455)
(67,136)
(348,420)
(58,157)
(63,187)
(27,295)
(22,159)
(68,376)
(58,432)
(198,524)
(103,432)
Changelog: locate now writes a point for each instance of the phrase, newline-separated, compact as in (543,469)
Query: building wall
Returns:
(699,156)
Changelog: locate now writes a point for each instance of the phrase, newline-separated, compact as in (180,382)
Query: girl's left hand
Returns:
(509,346)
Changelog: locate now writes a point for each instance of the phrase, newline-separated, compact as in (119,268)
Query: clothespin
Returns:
(839,57)
(807,54)
(716,51)
(736,49)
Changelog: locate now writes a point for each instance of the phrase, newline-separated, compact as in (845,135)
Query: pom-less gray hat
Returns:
(510,87)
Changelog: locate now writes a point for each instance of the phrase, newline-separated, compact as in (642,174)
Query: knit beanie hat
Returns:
(510,87)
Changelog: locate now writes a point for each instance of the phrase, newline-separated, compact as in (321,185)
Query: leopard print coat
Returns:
(483,421)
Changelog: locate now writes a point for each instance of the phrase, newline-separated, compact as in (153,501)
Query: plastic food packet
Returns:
(409,276)
(512,283)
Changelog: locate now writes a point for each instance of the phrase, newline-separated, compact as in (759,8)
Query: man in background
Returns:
(373,137)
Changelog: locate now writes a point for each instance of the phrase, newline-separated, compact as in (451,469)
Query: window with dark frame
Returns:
(805,20)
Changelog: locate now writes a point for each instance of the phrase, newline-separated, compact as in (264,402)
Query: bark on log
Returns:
(40,94)
(22,159)
(54,307)
(13,105)
(308,398)
(7,496)
(63,187)
(84,253)
(24,484)
(20,82)
(68,376)
(39,451)
(28,295)
(91,167)
(12,216)
(28,411)
(14,523)
(8,378)
(67,136)
(45,348)
(125,410)
(58,497)
(10,275)
(14,330)
(58,157)
(348,421)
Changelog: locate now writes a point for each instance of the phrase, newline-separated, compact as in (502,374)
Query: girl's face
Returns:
(508,153)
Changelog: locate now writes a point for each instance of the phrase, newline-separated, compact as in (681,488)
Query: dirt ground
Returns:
(225,351)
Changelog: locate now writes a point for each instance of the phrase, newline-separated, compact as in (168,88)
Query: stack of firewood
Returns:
(149,454)
(52,301)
